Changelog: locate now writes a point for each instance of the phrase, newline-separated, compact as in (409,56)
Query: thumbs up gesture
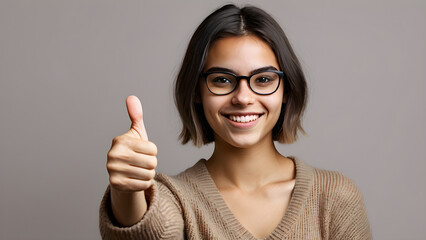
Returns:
(131,166)
(132,158)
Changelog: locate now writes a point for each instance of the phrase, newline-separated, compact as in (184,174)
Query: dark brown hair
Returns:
(230,21)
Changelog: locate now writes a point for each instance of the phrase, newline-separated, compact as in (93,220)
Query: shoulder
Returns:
(186,182)
(327,187)
(335,185)
(338,200)
(342,203)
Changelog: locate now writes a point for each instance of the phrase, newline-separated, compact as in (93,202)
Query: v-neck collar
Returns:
(297,202)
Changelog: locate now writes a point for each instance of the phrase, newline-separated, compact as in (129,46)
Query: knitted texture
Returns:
(324,205)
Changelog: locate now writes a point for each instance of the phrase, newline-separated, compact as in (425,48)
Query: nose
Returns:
(243,95)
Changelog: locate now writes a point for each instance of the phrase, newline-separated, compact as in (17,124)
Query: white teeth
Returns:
(243,119)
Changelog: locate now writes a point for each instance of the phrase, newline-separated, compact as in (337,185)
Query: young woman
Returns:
(241,87)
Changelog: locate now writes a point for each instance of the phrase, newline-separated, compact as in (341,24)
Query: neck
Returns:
(247,169)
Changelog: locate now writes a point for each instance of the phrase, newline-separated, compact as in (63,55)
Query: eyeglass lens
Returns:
(224,83)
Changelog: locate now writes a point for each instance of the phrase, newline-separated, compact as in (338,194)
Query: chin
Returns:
(243,145)
(243,141)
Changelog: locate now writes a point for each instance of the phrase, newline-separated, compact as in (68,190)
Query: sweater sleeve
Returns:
(349,218)
(162,220)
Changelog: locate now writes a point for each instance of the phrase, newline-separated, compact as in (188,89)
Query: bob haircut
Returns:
(231,21)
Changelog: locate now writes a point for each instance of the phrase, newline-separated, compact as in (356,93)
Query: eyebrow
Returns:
(258,70)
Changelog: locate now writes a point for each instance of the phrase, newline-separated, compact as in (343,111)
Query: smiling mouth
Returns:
(243,118)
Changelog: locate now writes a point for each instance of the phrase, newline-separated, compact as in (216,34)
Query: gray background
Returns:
(66,68)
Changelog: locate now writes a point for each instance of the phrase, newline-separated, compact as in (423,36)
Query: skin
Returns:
(255,180)
(131,163)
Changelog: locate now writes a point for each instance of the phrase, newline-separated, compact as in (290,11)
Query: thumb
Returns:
(134,108)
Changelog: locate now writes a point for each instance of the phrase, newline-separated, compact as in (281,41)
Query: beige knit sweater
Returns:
(324,205)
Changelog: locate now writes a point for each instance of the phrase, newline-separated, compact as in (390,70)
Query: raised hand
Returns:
(131,166)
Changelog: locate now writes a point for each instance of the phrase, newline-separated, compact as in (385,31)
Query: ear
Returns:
(285,98)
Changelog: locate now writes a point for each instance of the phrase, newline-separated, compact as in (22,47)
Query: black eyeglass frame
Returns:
(238,78)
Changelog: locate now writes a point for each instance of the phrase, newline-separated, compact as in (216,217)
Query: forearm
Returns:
(128,207)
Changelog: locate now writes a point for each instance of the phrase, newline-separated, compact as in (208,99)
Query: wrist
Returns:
(128,208)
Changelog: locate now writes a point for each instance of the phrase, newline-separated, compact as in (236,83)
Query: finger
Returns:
(143,161)
(138,173)
(130,185)
(125,142)
(139,185)
(144,147)
(134,108)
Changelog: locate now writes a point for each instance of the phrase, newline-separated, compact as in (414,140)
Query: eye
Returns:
(263,80)
(221,80)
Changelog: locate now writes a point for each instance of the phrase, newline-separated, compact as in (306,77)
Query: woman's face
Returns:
(241,118)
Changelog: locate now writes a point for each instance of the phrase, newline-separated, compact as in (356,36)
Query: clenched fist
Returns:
(131,166)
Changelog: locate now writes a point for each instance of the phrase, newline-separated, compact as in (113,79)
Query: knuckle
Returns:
(154,162)
(150,183)
(151,174)
(121,140)
(151,163)
(116,139)
(116,170)
(145,185)
(123,156)
(152,148)
(138,186)
(118,155)
(112,168)
(109,167)
(116,182)
(111,154)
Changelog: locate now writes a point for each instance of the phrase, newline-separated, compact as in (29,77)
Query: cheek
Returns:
(209,105)
(212,106)
(205,99)
(211,112)
(275,101)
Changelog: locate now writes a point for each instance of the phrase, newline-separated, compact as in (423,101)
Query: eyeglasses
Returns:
(262,83)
